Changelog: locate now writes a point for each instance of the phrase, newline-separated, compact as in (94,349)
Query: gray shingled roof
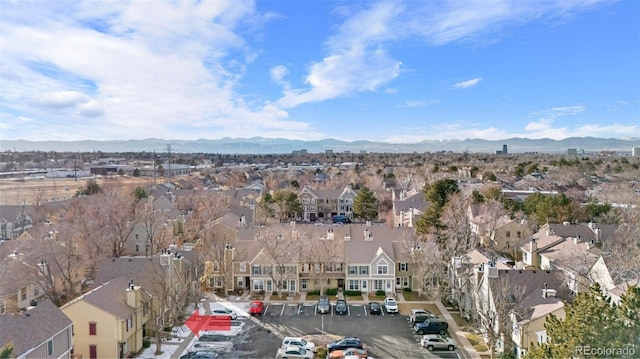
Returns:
(32,328)
(111,297)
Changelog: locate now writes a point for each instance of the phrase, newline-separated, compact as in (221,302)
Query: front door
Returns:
(269,287)
(340,283)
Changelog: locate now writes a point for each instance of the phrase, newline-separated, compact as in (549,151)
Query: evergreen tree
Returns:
(365,205)
(438,195)
(592,321)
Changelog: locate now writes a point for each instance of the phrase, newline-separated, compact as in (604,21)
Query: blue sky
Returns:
(353,70)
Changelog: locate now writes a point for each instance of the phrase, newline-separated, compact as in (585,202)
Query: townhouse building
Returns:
(322,205)
(408,206)
(14,220)
(109,321)
(573,248)
(41,331)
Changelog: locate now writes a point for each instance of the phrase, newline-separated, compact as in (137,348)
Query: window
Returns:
(398,281)
(93,351)
(354,284)
(93,328)
(403,267)
(519,234)
(137,247)
(405,281)
(383,269)
(303,283)
(129,323)
(364,269)
(255,269)
(258,285)
(243,266)
(352,269)
(50,347)
(508,234)
(377,285)
(364,285)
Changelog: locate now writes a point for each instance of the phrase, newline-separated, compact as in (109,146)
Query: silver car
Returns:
(437,341)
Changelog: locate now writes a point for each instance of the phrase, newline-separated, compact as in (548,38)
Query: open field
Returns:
(17,191)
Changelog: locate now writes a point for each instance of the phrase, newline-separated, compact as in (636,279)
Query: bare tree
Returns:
(119,217)
(322,257)
(497,299)
(282,248)
(56,264)
(169,288)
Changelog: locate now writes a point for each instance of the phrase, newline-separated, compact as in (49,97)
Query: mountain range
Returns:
(259,145)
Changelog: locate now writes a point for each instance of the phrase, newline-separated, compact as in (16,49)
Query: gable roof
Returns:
(30,329)
(111,297)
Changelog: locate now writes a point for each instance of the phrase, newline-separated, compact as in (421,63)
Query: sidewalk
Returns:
(465,346)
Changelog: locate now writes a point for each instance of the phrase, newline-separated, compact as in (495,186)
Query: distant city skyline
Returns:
(389,71)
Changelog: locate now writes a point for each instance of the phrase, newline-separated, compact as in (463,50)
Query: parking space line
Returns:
(265,310)
(299,309)
(282,311)
(364,307)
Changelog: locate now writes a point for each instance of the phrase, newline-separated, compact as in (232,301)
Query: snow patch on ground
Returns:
(167,352)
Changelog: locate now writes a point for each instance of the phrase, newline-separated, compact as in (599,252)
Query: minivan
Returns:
(431,326)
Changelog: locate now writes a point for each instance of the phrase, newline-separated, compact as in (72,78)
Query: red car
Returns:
(256,307)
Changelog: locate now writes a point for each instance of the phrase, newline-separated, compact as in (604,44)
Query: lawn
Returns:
(312,297)
(413,296)
(376,298)
(477,342)
(458,319)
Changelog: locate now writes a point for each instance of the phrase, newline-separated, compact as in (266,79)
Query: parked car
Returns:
(211,337)
(437,341)
(419,314)
(298,342)
(390,305)
(345,343)
(294,352)
(349,352)
(323,305)
(256,308)
(222,312)
(341,307)
(375,308)
(200,354)
(341,219)
(431,326)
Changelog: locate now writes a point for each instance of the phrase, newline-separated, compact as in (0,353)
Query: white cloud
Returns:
(413,103)
(468,83)
(278,73)
(61,99)
(555,112)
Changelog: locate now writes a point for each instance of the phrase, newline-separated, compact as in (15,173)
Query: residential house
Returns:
(322,205)
(544,293)
(369,258)
(14,220)
(41,331)
(408,206)
(109,321)
(465,273)
(512,305)
(572,248)
(498,232)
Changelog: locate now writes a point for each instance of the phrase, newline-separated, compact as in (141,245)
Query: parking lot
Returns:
(385,335)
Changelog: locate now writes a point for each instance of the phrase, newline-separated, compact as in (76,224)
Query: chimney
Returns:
(533,246)
(598,234)
(410,216)
(576,239)
(330,233)
(549,293)
(368,223)
(132,294)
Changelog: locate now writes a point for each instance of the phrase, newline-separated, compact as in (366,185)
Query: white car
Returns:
(294,352)
(298,342)
(224,312)
(437,341)
(390,305)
